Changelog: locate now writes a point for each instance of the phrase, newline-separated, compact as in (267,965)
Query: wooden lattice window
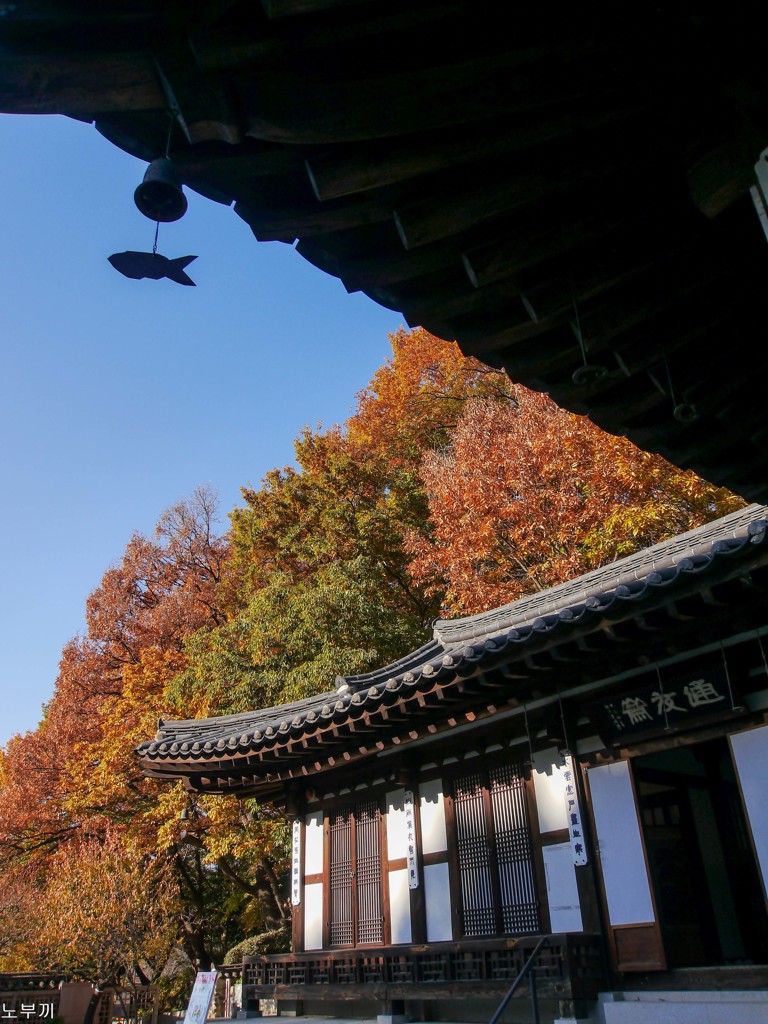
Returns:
(496,879)
(354,876)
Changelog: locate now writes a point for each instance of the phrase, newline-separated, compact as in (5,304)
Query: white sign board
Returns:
(200,1000)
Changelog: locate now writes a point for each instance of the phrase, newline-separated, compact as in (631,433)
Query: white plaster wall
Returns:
(549,786)
(313,916)
(397,834)
(432,809)
(313,843)
(562,890)
(437,897)
(400,906)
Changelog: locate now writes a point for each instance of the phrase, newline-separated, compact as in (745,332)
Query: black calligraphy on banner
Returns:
(296,863)
(573,812)
(410,827)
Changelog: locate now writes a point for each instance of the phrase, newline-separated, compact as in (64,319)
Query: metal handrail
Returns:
(526,970)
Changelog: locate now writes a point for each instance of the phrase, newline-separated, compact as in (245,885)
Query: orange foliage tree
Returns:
(528,495)
(111,913)
(75,777)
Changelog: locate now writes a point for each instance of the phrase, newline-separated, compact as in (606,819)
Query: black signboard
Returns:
(660,706)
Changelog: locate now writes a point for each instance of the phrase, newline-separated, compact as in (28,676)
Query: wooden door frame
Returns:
(351,807)
(650,932)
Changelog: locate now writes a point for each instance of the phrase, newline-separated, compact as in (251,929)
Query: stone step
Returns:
(727,1007)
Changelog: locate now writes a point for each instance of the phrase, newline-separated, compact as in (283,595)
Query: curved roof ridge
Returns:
(415,659)
(170,731)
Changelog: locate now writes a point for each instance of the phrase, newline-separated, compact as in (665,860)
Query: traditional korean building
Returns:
(586,764)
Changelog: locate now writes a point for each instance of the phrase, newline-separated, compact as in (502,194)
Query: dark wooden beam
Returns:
(285,44)
(347,170)
(557,299)
(450,212)
(722,176)
(384,265)
(80,86)
(197,97)
(284,108)
(294,8)
(270,223)
(627,305)
(506,257)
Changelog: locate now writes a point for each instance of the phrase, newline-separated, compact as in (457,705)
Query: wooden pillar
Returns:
(418,903)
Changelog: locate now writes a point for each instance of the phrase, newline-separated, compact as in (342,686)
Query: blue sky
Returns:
(119,397)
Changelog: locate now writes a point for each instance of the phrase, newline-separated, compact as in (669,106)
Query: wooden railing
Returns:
(568,967)
(528,974)
(31,1005)
(28,981)
(127,1004)
(30,998)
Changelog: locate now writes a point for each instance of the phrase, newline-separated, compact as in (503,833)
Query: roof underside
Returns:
(695,589)
(513,189)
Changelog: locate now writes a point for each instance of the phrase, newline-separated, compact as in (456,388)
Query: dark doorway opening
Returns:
(708,893)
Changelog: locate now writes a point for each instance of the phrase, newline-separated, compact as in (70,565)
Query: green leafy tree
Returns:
(319,581)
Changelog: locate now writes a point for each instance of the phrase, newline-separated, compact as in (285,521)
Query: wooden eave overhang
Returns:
(586,174)
(676,596)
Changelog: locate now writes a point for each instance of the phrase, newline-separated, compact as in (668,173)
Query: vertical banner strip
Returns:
(296,863)
(410,832)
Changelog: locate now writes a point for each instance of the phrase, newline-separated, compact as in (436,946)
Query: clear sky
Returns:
(119,397)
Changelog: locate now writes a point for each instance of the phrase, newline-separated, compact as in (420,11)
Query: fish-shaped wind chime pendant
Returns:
(161,198)
(152,265)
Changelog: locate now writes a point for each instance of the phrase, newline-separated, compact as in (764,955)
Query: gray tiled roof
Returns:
(456,642)
(667,559)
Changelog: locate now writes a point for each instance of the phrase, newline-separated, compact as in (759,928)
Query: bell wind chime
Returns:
(161,198)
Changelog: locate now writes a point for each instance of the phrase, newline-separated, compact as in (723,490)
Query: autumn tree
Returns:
(528,495)
(31,819)
(111,913)
(316,583)
(417,397)
(75,776)
(21,918)
(161,591)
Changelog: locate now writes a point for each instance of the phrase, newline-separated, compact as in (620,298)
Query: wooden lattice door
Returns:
(494,858)
(354,877)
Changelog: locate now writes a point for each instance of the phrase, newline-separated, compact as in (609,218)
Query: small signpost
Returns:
(202,995)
